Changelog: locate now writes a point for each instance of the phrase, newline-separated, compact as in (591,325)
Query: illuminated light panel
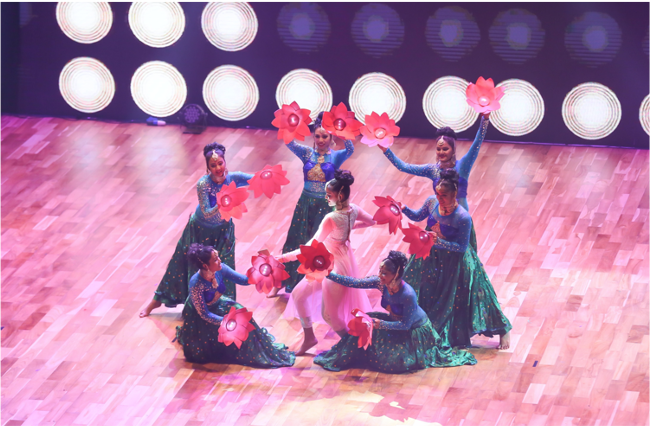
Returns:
(522,108)
(308,88)
(593,39)
(445,104)
(158,89)
(377,30)
(452,33)
(517,35)
(84,22)
(646,43)
(644,114)
(157,24)
(304,27)
(379,93)
(231,93)
(229,26)
(591,111)
(86,85)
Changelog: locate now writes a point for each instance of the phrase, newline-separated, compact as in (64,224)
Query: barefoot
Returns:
(306,345)
(273,293)
(504,342)
(147,310)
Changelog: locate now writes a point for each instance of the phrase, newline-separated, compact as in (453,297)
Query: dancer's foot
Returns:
(147,310)
(273,293)
(504,342)
(306,345)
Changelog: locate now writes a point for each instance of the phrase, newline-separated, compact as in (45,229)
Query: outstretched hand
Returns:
(382,148)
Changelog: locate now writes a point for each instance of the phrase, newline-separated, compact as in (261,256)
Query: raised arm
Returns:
(204,202)
(371,282)
(240,178)
(339,156)
(324,229)
(363,219)
(423,212)
(467,161)
(230,274)
(425,170)
(301,151)
(198,301)
(410,304)
(464,225)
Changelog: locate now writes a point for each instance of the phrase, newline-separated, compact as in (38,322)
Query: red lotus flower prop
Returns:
(235,326)
(390,212)
(361,326)
(316,261)
(292,121)
(268,181)
(379,130)
(483,96)
(231,201)
(420,240)
(266,272)
(341,122)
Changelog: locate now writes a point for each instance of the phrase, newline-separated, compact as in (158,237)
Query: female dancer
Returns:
(334,232)
(204,311)
(402,340)
(204,226)
(454,289)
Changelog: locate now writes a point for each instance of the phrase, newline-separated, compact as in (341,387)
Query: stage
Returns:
(92,211)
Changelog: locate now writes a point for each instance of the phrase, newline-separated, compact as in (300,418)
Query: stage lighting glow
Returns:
(452,33)
(379,93)
(591,111)
(644,114)
(593,39)
(445,104)
(304,27)
(86,85)
(517,35)
(157,24)
(522,108)
(158,89)
(308,88)
(377,30)
(231,93)
(646,43)
(84,22)
(229,26)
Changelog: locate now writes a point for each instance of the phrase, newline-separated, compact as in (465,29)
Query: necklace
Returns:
(446,210)
(209,276)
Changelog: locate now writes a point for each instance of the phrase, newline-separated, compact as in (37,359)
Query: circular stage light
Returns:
(522,108)
(231,93)
(591,111)
(593,39)
(308,88)
(157,24)
(158,89)
(377,30)
(452,33)
(86,85)
(379,93)
(229,26)
(644,114)
(517,35)
(445,104)
(84,22)
(304,27)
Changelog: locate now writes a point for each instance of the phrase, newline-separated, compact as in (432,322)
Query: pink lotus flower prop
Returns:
(379,130)
(361,326)
(420,241)
(483,96)
(390,212)
(231,201)
(268,181)
(266,272)
(341,122)
(292,121)
(316,261)
(235,326)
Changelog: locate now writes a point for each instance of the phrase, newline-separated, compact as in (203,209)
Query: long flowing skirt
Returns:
(200,341)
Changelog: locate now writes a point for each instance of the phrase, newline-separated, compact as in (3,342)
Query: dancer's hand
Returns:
(382,148)
(486,115)
(376,323)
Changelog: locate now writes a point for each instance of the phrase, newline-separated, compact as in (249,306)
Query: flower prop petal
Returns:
(341,122)
(390,212)
(266,273)
(231,201)
(379,130)
(316,261)
(292,121)
(236,326)
(361,326)
(420,241)
(268,181)
(483,96)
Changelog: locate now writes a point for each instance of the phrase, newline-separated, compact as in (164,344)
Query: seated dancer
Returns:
(205,226)
(453,288)
(204,311)
(402,340)
(337,302)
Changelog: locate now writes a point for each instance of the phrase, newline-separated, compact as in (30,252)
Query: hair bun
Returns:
(344,177)
(446,131)
(318,122)
(399,259)
(449,174)
(212,147)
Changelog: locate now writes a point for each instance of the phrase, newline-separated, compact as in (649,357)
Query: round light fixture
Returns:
(591,111)
(308,88)
(157,24)
(445,104)
(229,26)
(84,22)
(158,88)
(377,92)
(86,85)
(644,114)
(231,93)
(522,108)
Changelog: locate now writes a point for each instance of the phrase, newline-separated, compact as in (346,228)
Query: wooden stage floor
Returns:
(92,211)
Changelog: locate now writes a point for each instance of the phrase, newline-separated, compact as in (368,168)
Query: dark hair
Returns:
(318,122)
(341,183)
(210,148)
(448,179)
(197,255)
(448,135)
(395,263)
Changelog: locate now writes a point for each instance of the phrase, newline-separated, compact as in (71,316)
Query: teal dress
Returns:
(453,288)
(202,317)
(312,206)
(205,226)
(404,340)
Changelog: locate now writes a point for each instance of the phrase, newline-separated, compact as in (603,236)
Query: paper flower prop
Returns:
(420,241)
(235,326)
(379,130)
(268,181)
(316,261)
(266,272)
(231,201)
(341,122)
(292,121)
(361,326)
(390,212)
(483,96)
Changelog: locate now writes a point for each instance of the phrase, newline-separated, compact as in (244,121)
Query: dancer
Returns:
(453,288)
(204,310)
(337,301)
(204,226)
(402,340)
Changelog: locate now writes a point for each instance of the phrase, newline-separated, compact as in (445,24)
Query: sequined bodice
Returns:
(343,221)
